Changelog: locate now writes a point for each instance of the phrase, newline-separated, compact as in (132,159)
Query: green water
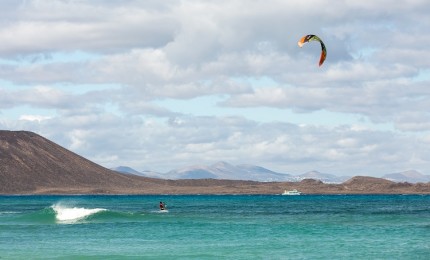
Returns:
(215,227)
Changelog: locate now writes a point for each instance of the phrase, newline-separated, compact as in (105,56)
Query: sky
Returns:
(161,85)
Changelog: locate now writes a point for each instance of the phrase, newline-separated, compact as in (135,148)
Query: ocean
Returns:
(215,227)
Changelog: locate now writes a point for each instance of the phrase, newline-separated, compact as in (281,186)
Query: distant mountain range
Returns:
(219,170)
(32,164)
(224,170)
(407,176)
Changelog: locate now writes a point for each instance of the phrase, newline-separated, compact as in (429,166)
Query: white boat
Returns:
(291,192)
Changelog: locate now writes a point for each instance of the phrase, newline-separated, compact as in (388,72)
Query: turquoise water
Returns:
(215,227)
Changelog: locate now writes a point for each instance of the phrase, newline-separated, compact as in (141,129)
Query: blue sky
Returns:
(159,85)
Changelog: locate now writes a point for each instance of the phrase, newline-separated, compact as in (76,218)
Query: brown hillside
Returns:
(31,164)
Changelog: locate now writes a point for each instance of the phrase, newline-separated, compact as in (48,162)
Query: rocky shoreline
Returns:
(357,185)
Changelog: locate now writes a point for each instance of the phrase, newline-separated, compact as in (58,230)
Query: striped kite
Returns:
(311,37)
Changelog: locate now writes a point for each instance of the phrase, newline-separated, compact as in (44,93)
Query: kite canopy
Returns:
(311,37)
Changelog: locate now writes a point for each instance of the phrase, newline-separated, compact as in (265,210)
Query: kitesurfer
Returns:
(162,205)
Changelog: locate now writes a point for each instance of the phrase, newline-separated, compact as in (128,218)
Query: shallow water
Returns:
(216,227)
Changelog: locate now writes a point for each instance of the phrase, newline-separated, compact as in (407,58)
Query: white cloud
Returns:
(129,59)
(37,118)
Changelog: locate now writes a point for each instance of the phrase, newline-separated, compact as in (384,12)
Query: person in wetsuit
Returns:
(162,206)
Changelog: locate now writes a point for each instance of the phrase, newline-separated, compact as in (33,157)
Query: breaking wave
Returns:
(64,214)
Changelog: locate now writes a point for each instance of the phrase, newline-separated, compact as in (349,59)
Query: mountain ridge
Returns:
(224,170)
(411,176)
(32,164)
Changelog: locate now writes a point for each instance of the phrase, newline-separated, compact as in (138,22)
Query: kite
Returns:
(311,37)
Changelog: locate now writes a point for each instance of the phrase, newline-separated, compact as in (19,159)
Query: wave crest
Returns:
(73,214)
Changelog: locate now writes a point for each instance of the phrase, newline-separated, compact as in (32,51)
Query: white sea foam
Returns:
(160,211)
(8,212)
(73,214)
